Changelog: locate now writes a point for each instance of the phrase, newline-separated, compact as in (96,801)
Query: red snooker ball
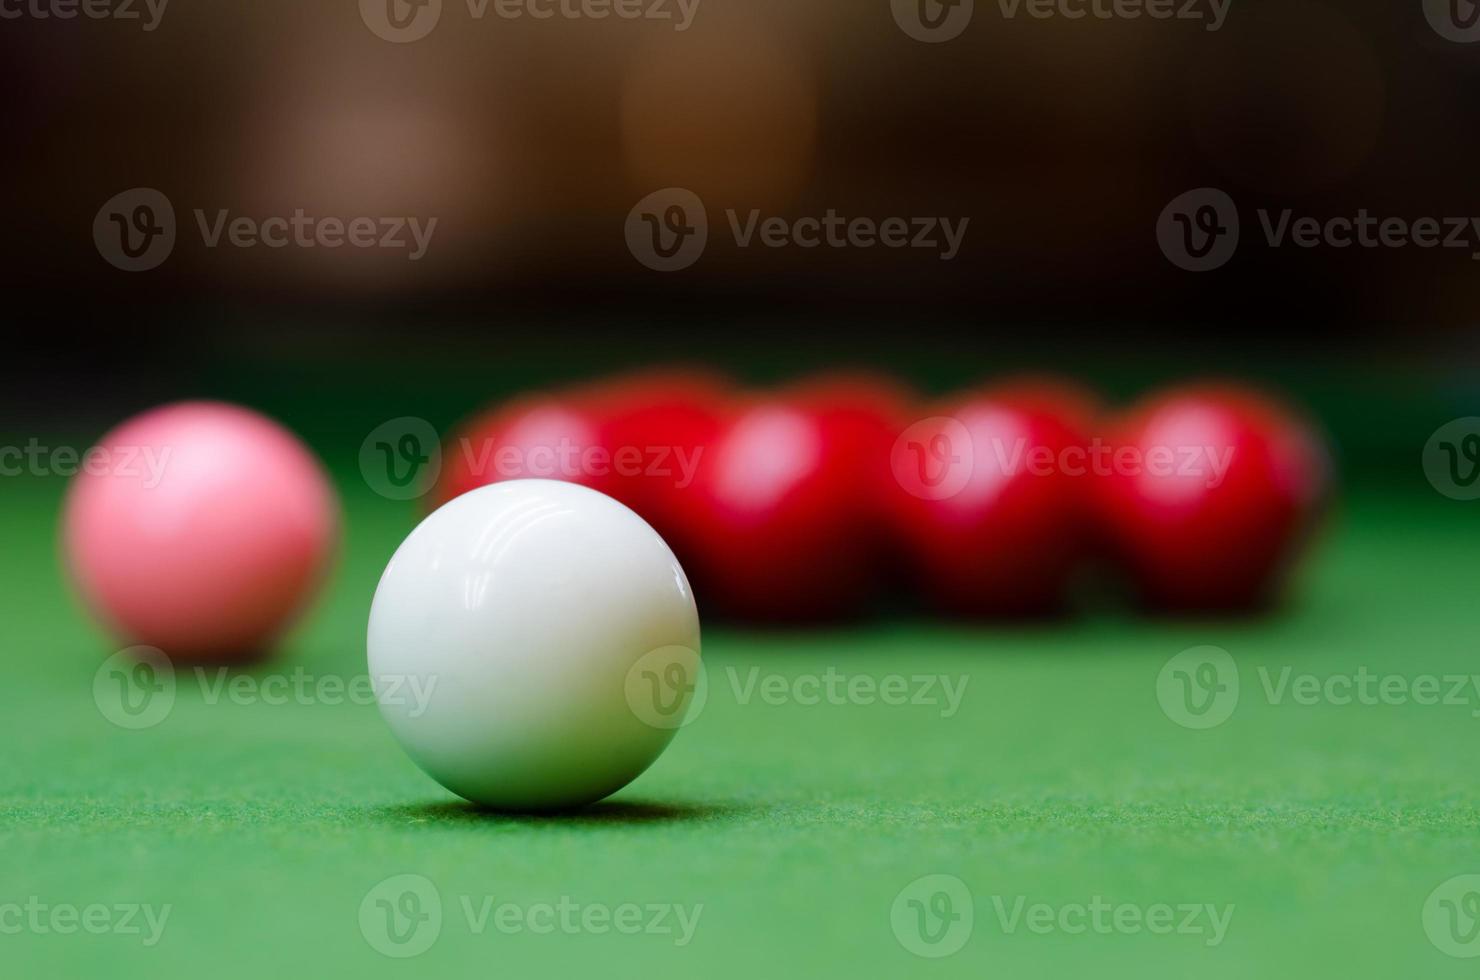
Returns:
(782,522)
(1208,495)
(661,426)
(555,436)
(638,438)
(992,506)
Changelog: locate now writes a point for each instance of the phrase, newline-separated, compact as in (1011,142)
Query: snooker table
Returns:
(1292,839)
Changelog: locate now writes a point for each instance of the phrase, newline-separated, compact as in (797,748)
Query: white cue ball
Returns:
(556,633)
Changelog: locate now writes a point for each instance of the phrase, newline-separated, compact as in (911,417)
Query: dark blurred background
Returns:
(530,141)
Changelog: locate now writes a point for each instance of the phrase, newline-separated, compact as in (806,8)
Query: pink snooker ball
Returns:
(200,528)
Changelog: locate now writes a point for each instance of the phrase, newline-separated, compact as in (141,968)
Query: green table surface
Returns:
(784,831)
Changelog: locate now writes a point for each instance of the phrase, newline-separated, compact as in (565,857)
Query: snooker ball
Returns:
(200,528)
(637,438)
(553,436)
(1212,492)
(554,636)
(663,424)
(777,519)
(992,508)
